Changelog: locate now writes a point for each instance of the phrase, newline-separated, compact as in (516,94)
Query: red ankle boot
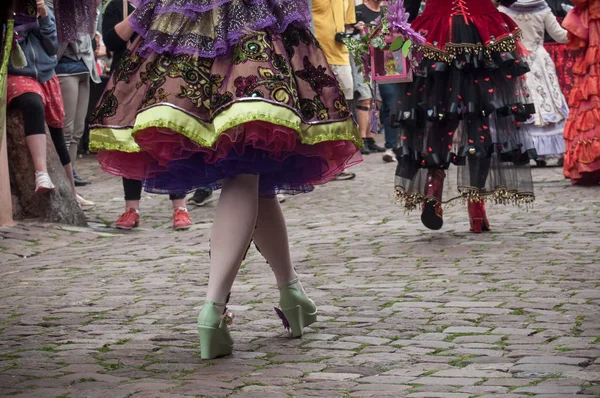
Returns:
(477,217)
(432,213)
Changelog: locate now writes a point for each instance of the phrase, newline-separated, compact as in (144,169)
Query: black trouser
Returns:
(133,190)
(34,122)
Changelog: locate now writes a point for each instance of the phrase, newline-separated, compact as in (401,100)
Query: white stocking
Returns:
(231,234)
(271,240)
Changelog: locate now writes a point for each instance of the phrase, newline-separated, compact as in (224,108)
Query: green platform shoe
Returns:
(215,340)
(297,311)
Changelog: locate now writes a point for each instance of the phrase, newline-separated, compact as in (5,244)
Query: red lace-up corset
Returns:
(440,18)
(465,8)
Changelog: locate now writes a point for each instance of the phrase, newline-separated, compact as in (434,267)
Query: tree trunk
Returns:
(57,206)
(6,213)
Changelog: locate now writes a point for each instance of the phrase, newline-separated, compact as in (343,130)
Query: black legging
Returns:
(133,190)
(34,122)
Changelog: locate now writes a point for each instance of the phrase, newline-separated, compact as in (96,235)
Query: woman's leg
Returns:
(83,98)
(133,193)
(297,310)
(232,231)
(58,139)
(69,87)
(271,239)
(178,201)
(34,125)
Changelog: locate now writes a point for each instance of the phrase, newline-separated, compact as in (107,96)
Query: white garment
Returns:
(550,104)
(535,17)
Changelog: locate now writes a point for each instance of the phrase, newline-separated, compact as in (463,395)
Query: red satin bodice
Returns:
(438,22)
(459,7)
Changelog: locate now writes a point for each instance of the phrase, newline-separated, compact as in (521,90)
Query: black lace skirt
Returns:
(467,107)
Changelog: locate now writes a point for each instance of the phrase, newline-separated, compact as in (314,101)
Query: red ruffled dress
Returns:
(562,57)
(466,107)
(582,132)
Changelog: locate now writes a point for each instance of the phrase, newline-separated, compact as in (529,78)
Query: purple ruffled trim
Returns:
(281,14)
(152,39)
(204,6)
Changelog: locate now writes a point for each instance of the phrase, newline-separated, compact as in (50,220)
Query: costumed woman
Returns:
(582,132)
(466,106)
(236,95)
(535,17)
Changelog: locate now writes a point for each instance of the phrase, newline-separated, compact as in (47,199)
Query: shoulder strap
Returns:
(61,51)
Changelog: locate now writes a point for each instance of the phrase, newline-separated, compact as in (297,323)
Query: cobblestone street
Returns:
(404,311)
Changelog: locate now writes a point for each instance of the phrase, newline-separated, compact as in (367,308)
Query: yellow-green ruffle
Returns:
(206,134)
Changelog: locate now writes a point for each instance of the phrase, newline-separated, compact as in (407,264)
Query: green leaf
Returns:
(406,47)
(378,42)
(397,44)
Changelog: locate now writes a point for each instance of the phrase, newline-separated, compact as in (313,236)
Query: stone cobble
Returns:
(404,312)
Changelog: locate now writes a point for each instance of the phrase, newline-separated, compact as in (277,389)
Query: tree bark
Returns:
(6,213)
(57,206)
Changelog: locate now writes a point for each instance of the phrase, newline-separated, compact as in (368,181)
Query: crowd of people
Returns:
(260,98)
(70,77)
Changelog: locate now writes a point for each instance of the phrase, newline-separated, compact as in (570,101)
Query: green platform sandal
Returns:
(215,340)
(297,311)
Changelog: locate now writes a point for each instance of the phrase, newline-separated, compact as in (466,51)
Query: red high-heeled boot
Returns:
(432,213)
(477,217)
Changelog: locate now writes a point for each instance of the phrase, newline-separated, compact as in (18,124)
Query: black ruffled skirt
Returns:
(466,107)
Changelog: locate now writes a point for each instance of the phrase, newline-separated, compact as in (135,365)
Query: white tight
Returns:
(241,217)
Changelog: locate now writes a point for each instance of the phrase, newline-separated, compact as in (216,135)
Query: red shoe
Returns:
(432,213)
(477,217)
(181,219)
(128,220)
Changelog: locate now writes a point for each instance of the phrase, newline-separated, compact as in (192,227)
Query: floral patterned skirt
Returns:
(272,107)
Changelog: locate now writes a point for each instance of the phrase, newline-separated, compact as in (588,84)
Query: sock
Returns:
(231,233)
(271,239)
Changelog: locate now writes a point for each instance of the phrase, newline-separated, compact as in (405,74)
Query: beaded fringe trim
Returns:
(506,43)
(501,196)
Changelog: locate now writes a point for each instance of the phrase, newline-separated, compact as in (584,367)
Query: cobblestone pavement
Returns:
(404,312)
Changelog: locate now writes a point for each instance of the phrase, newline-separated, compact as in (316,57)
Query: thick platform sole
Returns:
(298,319)
(212,343)
(430,219)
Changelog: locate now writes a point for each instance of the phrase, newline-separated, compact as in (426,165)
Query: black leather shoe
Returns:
(79,182)
(373,147)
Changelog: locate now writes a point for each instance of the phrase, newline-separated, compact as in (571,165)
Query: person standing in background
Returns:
(363,91)
(561,56)
(582,132)
(369,11)
(534,17)
(331,19)
(117,35)
(76,66)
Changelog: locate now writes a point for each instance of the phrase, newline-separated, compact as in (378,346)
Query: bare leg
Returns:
(132,204)
(37,148)
(178,203)
(234,224)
